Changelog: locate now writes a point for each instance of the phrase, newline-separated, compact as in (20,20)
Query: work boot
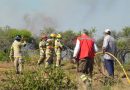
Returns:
(83,78)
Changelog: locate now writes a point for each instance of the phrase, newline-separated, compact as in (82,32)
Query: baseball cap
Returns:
(107,30)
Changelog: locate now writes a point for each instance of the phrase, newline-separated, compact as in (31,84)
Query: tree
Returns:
(7,36)
(14,32)
(126,31)
(90,32)
(69,38)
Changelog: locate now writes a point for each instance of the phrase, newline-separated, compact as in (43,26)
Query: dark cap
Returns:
(18,37)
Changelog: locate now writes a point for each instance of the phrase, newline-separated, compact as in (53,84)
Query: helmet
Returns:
(43,37)
(58,36)
(18,37)
(52,35)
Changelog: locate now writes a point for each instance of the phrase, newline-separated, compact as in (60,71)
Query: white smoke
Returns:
(38,21)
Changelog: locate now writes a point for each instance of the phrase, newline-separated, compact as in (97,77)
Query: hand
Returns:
(103,50)
(73,61)
(75,57)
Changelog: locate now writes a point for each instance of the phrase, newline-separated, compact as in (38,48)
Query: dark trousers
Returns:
(85,66)
(109,65)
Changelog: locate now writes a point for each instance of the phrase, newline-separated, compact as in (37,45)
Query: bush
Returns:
(3,56)
(39,79)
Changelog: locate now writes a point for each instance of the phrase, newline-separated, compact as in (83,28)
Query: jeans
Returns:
(109,66)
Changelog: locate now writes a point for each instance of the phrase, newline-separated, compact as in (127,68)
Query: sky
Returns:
(65,14)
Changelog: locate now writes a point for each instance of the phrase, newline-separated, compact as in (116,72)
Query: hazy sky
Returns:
(65,14)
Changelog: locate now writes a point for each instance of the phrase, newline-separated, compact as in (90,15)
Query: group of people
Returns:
(84,52)
(50,47)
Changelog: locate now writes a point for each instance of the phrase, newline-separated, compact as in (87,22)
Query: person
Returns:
(42,47)
(84,53)
(16,53)
(58,49)
(50,49)
(109,45)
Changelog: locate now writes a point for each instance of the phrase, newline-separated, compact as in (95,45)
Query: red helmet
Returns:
(43,37)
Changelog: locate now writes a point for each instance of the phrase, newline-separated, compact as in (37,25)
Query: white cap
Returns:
(107,30)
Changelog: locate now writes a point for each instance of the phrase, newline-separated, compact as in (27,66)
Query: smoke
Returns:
(63,14)
(38,21)
(95,6)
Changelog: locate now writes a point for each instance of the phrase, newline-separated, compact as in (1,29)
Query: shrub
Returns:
(51,78)
(3,56)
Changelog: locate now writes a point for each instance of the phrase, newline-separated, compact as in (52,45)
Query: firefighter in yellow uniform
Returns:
(58,49)
(42,47)
(16,53)
(50,50)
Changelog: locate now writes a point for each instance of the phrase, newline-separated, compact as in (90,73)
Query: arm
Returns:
(95,47)
(24,43)
(105,44)
(77,48)
(42,46)
(11,56)
(60,44)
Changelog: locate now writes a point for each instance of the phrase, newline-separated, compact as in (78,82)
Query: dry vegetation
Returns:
(66,77)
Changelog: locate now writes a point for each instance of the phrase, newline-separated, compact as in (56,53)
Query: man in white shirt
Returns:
(109,45)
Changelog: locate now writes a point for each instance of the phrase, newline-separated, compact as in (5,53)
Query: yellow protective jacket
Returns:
(42,47)
(50,46)
(16,48)
(58,46)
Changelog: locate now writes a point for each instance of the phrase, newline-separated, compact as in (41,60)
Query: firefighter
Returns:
(50,50)
(42,47)
(58,49)
(16,53)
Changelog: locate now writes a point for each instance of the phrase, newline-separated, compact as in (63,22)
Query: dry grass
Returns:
(70,70)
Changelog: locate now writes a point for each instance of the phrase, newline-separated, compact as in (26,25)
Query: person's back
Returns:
(42,48)
(84,52)
(50,50)
(86,47)
(110,45)
(58,49)
(17,48)
(16,53)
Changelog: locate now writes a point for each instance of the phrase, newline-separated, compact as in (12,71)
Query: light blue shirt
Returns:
(109,45)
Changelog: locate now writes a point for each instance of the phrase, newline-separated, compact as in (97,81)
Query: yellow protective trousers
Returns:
(49,57)
(18,63)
